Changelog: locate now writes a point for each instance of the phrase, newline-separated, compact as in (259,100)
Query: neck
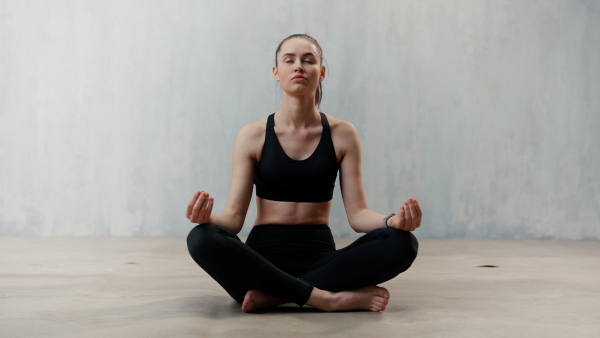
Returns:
(298,111)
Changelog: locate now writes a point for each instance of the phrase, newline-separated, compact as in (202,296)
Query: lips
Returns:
(298,77)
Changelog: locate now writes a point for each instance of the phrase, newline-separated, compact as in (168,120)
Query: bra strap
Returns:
(324,121)
(271,122)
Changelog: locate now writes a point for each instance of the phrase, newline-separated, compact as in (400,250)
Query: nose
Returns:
(298,67)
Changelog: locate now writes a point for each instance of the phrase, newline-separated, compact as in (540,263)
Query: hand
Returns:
(409,216)
(199,208)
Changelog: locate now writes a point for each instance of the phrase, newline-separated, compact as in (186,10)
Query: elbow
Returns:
(237,222)
(237,228)
(354,225)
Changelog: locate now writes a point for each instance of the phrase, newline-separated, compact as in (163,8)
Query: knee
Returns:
(405,244)
(199,240)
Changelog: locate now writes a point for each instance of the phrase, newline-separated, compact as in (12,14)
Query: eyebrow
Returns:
(292,54)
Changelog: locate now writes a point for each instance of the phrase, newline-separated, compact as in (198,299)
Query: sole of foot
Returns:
(257,300)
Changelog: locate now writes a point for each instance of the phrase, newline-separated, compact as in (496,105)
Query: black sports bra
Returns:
(281,178)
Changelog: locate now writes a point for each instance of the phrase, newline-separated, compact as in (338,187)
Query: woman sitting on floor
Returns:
(293,157)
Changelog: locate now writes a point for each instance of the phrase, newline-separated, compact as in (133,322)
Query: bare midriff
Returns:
(291,213)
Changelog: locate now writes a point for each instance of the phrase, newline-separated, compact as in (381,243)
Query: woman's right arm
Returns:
(244,159)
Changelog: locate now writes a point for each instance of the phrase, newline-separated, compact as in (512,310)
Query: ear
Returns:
(323,72)
(275,74)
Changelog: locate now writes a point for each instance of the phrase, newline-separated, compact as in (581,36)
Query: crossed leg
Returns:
(342,280)
(372,298)
(352,273)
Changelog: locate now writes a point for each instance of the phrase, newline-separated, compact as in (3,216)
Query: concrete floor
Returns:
(150,287)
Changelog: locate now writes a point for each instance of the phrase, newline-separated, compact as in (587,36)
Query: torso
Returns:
(298,145)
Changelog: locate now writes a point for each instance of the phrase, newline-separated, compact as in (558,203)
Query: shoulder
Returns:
(251,137)
(341,128)
(253,130)
(344,137)
(342,131)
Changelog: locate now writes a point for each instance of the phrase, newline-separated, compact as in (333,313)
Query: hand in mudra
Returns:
(200,207)
(409,216)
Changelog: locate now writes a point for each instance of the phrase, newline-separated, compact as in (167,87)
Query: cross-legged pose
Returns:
(293,157)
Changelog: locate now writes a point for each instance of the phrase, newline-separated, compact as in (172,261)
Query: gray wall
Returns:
(112,113)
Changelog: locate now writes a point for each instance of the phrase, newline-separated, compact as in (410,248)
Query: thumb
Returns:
(209,207)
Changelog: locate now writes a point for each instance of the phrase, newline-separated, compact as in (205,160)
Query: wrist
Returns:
(389,221)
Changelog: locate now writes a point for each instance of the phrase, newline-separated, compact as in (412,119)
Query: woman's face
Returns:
(298,67)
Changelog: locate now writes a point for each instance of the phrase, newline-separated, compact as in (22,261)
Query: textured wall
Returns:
(112,113)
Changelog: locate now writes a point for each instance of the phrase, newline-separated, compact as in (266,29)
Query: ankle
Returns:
(323,300)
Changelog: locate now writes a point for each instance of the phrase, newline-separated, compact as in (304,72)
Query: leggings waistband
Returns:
(290,226)
(283,236)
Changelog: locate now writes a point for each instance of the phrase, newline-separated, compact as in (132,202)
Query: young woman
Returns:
(293,157)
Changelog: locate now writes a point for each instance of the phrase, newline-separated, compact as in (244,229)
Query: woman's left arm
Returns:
(361,218)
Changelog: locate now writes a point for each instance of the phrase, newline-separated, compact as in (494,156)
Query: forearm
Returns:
(229,220)
(365,220)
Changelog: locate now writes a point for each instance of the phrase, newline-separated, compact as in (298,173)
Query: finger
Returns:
(418,208)
(190,207)
(414,216)
(209,207)
(209,204)
(407,216)
(202,215)
(198,207)
(402,217)
(419,213)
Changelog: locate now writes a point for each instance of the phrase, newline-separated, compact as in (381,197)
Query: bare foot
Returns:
(257,300)
(372,298)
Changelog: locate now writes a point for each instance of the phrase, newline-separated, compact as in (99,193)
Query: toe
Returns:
(386,293)
(378,304)
(248,299)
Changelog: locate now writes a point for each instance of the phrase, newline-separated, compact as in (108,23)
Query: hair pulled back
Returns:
(319,91)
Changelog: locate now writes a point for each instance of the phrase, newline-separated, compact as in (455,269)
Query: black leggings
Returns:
(287,261)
